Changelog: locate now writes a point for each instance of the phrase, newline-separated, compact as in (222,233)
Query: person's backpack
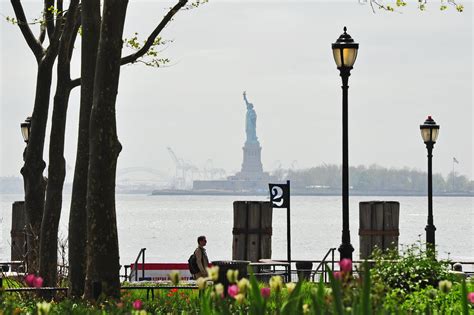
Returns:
(192,263)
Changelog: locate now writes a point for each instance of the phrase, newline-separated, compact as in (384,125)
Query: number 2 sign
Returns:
(280,198)
(279,195)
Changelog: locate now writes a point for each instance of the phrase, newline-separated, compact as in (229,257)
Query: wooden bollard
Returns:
(252,232)
(17,233)
(378,226)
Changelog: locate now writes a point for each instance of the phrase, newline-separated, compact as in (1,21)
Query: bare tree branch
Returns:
(54,41)
(133,57)
(69,32)
(75,31)
(42,34)
(380,6)
(59,4)
(372,6)
(49,17)
(30,39)
(75,83)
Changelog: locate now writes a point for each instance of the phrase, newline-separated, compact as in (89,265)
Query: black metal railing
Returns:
(135,266)
(15,265)
(126,275)
(321,268)
(278,268)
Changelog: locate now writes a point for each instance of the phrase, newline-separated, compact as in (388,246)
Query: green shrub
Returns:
(427,300)
(413,269)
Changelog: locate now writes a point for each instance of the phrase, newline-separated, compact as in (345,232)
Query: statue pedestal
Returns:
(251,178)
(252,158)
(252,163)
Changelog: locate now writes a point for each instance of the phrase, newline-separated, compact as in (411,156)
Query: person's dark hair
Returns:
(201,238)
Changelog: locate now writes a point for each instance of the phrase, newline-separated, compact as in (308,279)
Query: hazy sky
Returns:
(410,65)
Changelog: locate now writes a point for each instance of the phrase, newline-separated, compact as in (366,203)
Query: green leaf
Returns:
(258,304)
(365,299)
(465,307)
(336,291)
(293,305)
(401,3)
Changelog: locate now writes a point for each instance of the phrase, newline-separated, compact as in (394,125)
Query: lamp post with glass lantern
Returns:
(429,133)
(345,53)
(26,129)
(22,251)
(25,132)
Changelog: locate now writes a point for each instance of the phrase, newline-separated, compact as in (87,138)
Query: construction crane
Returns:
(184,171)
(210,172)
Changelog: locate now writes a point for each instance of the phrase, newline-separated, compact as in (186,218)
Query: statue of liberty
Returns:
(250,122)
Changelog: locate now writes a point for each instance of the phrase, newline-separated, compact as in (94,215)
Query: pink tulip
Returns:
(265,292)
(233,290)
(29,279)
(470,297)
(38,282)
(346,265)
(337,275)
(137,305)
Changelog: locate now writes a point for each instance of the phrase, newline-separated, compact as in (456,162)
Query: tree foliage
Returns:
(422,5)
(375,178)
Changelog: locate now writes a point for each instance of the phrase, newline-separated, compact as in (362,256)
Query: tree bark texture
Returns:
(57,164)
(90,21)
(32,170)
(102,242)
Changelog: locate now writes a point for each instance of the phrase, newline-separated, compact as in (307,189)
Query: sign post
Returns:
(280,198)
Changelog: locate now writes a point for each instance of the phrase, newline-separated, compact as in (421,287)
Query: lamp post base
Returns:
(430,236)
(346,251)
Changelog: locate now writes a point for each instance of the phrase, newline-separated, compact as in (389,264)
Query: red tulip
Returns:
(470,297)
(232,290)
(38,282)
(29,279)
(137,305)
(337,275)
(346,265)
(265,292)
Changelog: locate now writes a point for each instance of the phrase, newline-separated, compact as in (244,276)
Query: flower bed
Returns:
(425,288)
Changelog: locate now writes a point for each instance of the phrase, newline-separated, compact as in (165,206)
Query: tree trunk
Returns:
(56,174)
(90,20)
(102,242)
(57,164)
(33,168)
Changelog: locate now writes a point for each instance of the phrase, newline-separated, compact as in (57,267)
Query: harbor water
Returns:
(167,226)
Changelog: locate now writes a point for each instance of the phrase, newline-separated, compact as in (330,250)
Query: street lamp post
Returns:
(429,133)
(26,129)
(26,132)
(345,53)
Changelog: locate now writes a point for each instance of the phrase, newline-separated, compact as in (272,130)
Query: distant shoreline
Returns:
(170,192)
